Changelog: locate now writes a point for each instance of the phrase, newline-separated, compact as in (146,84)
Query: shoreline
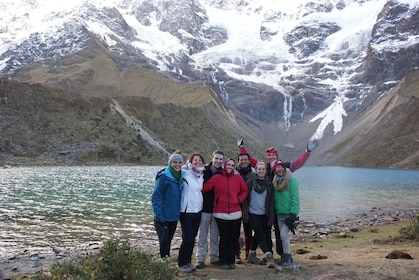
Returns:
(32,260)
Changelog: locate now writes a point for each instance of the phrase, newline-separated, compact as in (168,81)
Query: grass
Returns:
(360,251)
(116,260)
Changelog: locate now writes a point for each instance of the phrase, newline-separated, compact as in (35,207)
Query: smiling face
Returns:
(229,166)
(244,161)
(197,161)
(280,170)
(176,165)
(217,160)
(261,170)
(271,156)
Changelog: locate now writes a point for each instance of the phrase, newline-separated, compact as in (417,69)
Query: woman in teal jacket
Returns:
(166,202)
(287,205)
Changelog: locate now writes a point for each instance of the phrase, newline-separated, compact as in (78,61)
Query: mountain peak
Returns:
(279,65)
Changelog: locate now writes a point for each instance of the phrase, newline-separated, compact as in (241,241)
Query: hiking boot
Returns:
(217,263)
(232,266)
(191,266)
(185,269)
(270,260)
(253,259)
(280,261)
(238,260)
(287,260)
(225,267)
(199,265)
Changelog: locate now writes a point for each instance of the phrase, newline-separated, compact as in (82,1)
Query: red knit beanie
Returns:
(271,150)
(275,165)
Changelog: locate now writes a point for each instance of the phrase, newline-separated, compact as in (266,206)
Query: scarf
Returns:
(281,183)
(198,171)
(260,185)
(175,174)
(243,171)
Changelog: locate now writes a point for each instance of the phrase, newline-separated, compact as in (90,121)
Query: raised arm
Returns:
(301,160)
(242,149)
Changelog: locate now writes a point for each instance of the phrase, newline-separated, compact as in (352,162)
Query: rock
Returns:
(318,257)
(399,255)
(342,234)
(302,251)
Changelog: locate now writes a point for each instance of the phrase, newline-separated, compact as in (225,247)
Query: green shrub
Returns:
(116,260)
(412,231)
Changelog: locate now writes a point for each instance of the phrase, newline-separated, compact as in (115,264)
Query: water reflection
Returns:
(63,206)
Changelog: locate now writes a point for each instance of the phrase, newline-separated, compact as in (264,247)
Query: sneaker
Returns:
(225,267)
(185,269)
(232,266)
(200,265)
(238,260)
(217,263)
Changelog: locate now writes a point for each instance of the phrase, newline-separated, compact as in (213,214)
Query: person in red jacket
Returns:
(230,191)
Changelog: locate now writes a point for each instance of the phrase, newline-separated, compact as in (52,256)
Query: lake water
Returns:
(62,206)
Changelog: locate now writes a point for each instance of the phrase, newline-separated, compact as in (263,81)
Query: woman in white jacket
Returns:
(190,209)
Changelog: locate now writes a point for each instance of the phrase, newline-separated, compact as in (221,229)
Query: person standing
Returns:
(190,209)
(246,171)
(165,201)
(208,226)
(258,210)
(271,155)
(287,206)
(229,192)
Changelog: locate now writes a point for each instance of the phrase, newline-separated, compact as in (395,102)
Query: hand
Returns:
(240,141)
(292,223)
(162,224)
(312,144)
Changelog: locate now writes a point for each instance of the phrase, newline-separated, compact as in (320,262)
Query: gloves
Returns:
(292,222)
(312,144)
(240,141)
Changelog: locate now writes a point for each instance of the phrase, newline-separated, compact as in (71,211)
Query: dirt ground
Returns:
(357,255)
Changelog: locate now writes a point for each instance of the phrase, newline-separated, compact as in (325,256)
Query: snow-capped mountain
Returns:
(275,64)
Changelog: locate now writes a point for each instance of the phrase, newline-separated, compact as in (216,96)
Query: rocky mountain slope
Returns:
(44,126)
(276,75)
(384,134)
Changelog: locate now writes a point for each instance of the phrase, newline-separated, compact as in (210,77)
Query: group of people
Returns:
(212,200)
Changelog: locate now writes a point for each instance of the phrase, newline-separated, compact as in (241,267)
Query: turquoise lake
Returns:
(62,206)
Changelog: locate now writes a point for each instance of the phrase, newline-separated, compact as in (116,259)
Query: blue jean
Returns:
(190,225)
(165,232)
(259,224)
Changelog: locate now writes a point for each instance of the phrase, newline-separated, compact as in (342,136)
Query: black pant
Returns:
(247,229)
(259,224)
(165,232)
(190,225)
(228,239)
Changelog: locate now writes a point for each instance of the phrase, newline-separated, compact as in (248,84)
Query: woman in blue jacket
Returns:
(166,201)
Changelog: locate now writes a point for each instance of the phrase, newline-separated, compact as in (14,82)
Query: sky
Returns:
(22,17)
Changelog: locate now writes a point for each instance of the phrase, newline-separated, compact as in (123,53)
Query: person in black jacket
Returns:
(208,224)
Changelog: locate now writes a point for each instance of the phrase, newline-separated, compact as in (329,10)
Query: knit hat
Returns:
(175,157)
(271,150)
(275,163)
